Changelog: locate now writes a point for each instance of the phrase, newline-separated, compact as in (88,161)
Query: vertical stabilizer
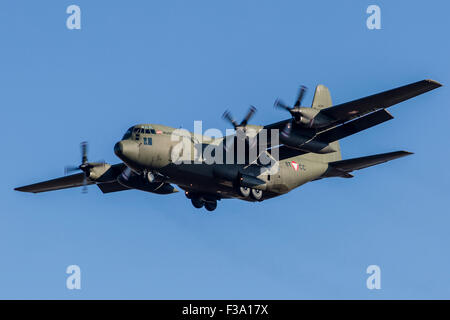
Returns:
(322,100)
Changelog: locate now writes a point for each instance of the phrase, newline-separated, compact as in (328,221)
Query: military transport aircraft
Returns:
(307,150)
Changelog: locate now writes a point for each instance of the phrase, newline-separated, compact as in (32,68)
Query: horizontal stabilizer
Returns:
(343,167)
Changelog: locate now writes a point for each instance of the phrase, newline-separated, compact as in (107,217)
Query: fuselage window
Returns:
(137,136)
(148,141)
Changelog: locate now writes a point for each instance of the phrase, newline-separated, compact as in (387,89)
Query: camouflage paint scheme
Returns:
(310,152)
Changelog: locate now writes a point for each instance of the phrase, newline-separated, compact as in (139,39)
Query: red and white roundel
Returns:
(294,165)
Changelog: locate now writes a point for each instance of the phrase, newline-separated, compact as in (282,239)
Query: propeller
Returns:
(239,126)
(85,166)
(295,111)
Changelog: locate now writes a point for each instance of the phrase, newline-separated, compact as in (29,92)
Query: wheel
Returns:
(198,203)
(256,194)
(244,191)
(211,206)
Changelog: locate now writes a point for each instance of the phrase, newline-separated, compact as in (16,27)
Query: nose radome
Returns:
(126,149)
(118,150)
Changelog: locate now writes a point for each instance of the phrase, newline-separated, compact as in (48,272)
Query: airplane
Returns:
(307,149)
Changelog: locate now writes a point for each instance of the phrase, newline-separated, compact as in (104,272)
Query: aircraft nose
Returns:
(126,149)
(118,149)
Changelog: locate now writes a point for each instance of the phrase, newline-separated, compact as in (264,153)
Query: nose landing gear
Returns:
(199,201)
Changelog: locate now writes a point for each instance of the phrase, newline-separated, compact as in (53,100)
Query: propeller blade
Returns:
(84,146)
(280,104)
(85,189)
(250,114)
(227,116)
(69,169)
(301,94)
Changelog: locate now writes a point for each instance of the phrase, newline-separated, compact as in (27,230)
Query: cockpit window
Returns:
(138,130)
(127,134)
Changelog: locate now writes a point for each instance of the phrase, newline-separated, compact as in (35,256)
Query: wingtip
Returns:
(23,189)
(436,83)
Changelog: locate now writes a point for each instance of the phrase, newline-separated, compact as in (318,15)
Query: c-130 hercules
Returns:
(307,150)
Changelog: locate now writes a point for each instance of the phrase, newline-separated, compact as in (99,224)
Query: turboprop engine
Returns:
(144,182)
(295,140)
(307,117)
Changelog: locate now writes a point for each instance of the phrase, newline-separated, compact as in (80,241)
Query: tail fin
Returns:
(322,100)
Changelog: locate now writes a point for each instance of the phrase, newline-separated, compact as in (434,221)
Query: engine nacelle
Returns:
(135,181)
(294,140)
(100,172)
(311,118)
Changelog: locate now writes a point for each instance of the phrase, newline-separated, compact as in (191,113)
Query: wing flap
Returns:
(354,126)
(109,187)
(74,180)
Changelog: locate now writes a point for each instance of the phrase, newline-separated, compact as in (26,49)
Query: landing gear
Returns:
(244,191)
(200,201)
(211,205)
(197,202)
(256,194)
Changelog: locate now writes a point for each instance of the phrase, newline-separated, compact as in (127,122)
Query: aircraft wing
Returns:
(343,167)
(356,108)
(277,125)
(109,187)
(74,180)
(354,126)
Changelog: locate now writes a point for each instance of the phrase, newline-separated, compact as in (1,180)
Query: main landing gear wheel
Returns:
(244,191)
(211,205)
(198,203)
(256,194)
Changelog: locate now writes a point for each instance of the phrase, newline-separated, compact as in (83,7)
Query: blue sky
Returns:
(174,62)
